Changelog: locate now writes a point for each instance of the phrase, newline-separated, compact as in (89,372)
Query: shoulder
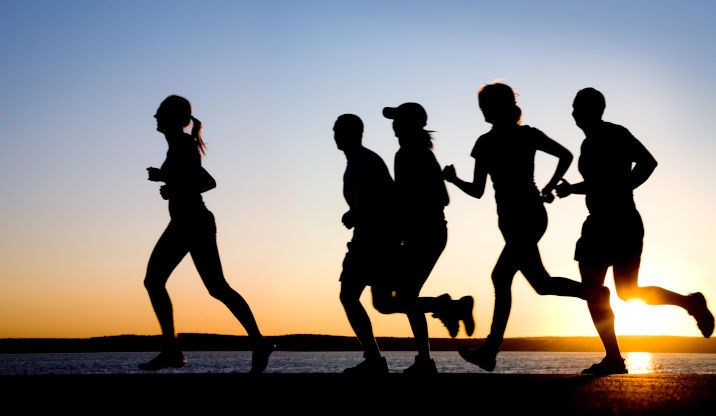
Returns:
(618,134)
(530,132)
(368,156)
(482,143)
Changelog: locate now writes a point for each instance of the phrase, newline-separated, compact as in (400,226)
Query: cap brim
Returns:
(390,112)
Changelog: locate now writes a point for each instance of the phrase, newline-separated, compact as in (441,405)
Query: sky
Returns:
(81,81)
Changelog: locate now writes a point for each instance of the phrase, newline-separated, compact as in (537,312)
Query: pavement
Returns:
(300,394)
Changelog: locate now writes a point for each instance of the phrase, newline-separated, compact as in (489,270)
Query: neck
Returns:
(351,152)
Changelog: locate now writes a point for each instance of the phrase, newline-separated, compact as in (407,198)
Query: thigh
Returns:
(419,256)
(626,273)
(531,265)
(167,254)
(593,274)
(205,253)
(351,290)
(506,267)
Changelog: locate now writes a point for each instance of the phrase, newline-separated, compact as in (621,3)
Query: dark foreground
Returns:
(337,394)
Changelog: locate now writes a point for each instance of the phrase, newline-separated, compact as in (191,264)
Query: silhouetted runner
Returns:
(612,234)
(375,257)
(191,230)
(369,191)
(421,198)
(507,154)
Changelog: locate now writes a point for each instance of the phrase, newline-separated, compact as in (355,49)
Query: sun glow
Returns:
(639,362)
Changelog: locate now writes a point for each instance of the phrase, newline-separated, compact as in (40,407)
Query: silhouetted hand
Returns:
(155,175)
(564,189)
(449,173)
(547,195)
(164,191)
(348,220)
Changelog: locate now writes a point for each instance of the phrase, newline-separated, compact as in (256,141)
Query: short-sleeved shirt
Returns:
(421,192)
(508,156)
(182,169)
(613,232)
(605,163)
(369,191)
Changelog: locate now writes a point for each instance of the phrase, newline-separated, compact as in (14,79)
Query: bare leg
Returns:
(502,276)
(599,307)
(544,284)
(206,259)
(167,254)
(626,281)
(358,318)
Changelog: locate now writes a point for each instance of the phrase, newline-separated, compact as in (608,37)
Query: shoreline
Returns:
(310,342)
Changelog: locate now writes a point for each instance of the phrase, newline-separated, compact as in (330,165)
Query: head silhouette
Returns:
(498,105)
(173,115)
(409,120)
(588,107)
(348,132)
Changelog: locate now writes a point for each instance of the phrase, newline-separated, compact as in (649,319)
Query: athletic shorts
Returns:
(609,240)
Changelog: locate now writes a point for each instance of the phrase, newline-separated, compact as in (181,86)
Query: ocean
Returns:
(334,362)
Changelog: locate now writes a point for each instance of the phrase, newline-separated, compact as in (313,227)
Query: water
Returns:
(335,362)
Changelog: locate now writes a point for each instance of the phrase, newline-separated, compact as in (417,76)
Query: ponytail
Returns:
(196,134)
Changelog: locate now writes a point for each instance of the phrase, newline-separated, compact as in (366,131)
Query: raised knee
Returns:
(152,284)
(542,289)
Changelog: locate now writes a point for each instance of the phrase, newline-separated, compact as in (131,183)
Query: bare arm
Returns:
(644,165)
(565,157)
(565,189)
(476,188)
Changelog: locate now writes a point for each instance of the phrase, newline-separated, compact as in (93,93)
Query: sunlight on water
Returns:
(639,363)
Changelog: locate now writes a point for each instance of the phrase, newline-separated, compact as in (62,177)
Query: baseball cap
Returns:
(412,111)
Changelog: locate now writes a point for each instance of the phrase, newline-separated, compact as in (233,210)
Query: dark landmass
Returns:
(395,394)
(300,342)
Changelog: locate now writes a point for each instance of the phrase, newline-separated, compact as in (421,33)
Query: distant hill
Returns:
(302,342)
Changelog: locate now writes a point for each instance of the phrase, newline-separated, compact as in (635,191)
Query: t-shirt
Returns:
(369,191)
(421,191)
(508,156)
(605,163)
(183,173)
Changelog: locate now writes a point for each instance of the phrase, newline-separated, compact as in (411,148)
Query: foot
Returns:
(260,356)
(422,367)
(700,312)
(165,359)
(369,366)
(464,307)
(481,356)
(447,315)
(607,366)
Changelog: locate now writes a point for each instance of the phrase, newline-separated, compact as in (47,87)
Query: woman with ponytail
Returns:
(507,154)
(191,230)
(421,197)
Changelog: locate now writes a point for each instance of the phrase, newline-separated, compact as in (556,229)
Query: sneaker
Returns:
(447,316)
(165,359)
(700,312)
(422,367)
(369,366)
(464,306)
(260,356)
(606,367)
(480,356)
